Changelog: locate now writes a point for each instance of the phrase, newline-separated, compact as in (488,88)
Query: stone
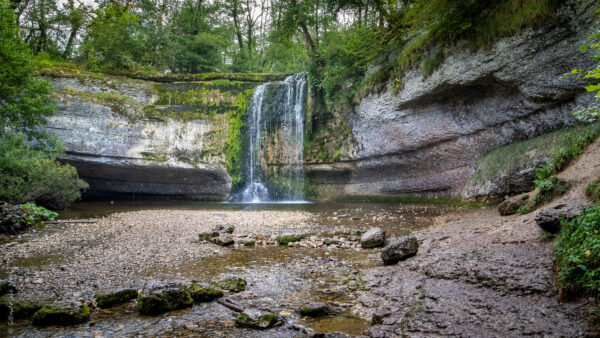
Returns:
(202,293)
(233,284)
(62,313)
(399,249)
(511,205)
(549,218)
(374,237)
(223,240)
(318,309)
(110,299)
(256,318)
(246,242)
(159,297)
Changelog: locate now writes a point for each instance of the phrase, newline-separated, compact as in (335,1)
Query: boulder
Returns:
(223,240)
(399,249)
(374,237)
(110,299)
(549,218)
(511,205)
(204,293)
(224,229)
(233,284)
(62,313)
(160,297)
(256,318)
(318,309)
(208,235)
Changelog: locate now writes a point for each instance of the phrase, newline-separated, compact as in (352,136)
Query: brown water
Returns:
(279,278)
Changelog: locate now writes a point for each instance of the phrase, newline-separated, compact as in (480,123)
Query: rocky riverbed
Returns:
(475,273)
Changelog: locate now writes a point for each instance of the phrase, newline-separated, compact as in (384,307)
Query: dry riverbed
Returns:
(475,274)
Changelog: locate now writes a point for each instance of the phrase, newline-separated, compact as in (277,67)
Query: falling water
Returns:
(277,110)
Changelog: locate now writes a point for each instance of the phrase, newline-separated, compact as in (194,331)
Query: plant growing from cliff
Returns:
(233,150)
(24,101)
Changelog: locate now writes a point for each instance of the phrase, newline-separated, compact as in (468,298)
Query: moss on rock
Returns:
(314,310)
(115,298)
(63,314)
(158,297)
(257,319)
(204,293)
(233,284)
(288,238)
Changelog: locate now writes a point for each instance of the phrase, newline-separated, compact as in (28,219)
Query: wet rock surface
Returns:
(62,313)
(318,309)
(159,297)
(117,297)
(233,284)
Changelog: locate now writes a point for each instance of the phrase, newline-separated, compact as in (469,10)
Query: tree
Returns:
(24,100)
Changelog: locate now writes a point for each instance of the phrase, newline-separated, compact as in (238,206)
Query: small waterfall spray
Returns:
(277,111)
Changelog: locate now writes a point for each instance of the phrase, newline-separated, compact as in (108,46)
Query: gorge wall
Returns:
(421,140)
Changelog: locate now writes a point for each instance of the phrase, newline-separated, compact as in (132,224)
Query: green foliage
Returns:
(567,153)
(593,190)
(24,101)
(577,253)
(17,218)
(30,175)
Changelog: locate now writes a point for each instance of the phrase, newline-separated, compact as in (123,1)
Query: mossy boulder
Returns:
(318,309)
(6,287)
(247,242)
(257,319)
(160,297)
(233,284)
(285,239)
(62,313)
(107,300)
(207,236)
(204,293)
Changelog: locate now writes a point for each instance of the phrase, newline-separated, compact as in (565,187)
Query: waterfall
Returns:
(273,170)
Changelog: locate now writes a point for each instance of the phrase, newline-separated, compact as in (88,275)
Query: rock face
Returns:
(399,249)
(422,139)
(549,218)
(132,137)
(374,237)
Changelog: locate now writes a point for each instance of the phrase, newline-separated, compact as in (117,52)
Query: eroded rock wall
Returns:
(422,139)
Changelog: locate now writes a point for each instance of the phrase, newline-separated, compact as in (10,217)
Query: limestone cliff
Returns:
(421,139)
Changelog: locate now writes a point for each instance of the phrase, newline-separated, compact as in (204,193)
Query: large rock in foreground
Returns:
(374,237)
(549,219)
(399,249)
(62,313)
(256,318)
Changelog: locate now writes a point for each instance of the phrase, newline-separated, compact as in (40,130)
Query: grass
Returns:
(593,190)
(577,254)
(517,155)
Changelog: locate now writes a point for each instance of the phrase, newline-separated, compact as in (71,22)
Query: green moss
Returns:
(111,299)
(52,315)
(116,102)
(234,148)
(169,300)
(285,239)
(546,191)
(231,284)
(168,78)
(153,157)
(376,319)
(266,320)
(247,242)
(319,311)
(207,236)
(204,293)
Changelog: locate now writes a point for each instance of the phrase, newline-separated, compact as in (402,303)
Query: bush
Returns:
(17,218)
(577,253)
(33,175)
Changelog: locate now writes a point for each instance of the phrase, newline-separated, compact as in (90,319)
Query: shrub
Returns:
(33,175)
(17,218)
(577,253)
